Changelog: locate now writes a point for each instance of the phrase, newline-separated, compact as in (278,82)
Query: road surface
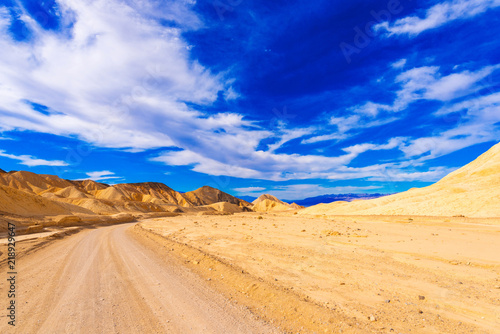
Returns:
(103,281)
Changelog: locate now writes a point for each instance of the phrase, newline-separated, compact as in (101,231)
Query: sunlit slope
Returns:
(473,191)
(104,199)
(267,203)
(18,202)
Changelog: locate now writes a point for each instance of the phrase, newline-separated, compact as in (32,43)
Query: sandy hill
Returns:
(2,171)
(266,203)
(18,202)
(228,207)
(71,192)
(90,185)
(153,192)
(264,197)
(32,182)
(207,195)
(472,191)
(103,199)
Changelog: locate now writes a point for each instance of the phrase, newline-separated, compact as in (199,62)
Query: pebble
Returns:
(421,297)
(372,318)
(387,300)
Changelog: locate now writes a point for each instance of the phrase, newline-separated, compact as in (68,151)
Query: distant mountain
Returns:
(336,197)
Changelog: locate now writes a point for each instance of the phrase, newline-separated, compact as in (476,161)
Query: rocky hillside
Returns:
(99,198)
(266,203)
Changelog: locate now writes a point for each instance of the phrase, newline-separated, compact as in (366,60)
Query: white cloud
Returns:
(433,174)
(101,175)
(276,167)
(399,64)
(301,191)
(119,79)
(246,190)
(437,15)
(31,161)
(478,117)
(287,135)
(424,83)
(321,138)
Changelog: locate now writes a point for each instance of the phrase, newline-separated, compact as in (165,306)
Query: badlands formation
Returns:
(55,201)
(423,261)
(266,203)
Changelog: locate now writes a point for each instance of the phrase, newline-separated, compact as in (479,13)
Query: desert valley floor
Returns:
(264,273)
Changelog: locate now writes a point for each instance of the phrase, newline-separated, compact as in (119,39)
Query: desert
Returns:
(266,266)
(249,167)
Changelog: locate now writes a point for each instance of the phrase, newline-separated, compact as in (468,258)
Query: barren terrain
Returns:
(104,281)
(351,274)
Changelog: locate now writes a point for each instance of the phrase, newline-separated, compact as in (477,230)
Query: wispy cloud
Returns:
(427,83)
(115,78)
(246,190)
(479,117)
(101,175)
(436,16)
(31,161)
(301,191)
(268,165)
(399,64)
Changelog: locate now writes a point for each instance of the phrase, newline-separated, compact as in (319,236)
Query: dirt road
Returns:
(103,281)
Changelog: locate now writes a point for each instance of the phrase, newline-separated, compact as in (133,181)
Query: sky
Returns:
(292,98)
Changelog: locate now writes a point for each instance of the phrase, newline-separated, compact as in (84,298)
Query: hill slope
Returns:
(266,203)
(103,199)
(18,202)
(473,191)
(207,195)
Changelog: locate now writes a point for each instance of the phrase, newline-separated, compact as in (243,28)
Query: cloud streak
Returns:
(101,175)
(31,161)
(437,16)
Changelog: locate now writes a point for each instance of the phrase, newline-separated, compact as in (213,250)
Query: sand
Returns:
(359,274)
(105,281)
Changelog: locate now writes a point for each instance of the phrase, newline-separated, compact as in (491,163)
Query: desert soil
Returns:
(263,273)
(364,274)
(104,281)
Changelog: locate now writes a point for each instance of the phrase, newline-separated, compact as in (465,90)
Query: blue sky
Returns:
(292,98)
